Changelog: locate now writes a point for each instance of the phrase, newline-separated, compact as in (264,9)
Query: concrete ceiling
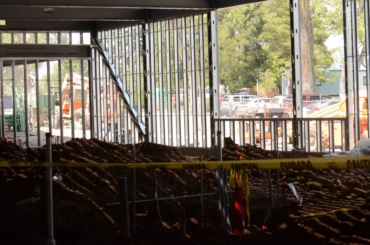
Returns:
(87,15)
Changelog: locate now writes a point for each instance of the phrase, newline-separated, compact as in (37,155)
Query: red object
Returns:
(48,135)
(238,205)
(264,228)
(295,204)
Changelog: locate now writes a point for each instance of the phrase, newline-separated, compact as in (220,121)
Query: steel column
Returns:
(213,73)
(296,64)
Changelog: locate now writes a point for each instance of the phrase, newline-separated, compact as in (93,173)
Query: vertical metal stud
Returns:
(83,98)
(131,84)
(213,73)
(124,80)
(14,104)
(26,102)
(367,38)
(194,87)
(185,116)
(203,99)
(169,137)
(296,71)
(152,81)
(146,77)
(93,90)
(37,103)
(355,72)
(2,117)
(348,54)
(159,99)
(49,95)
(99,87)
(177,82)
(138,93)
(60,100)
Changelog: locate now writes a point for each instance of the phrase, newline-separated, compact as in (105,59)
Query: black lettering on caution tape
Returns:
(194,166)
(245,166)
(365,163)
(297,165)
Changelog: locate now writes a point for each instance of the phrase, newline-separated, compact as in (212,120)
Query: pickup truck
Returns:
(254,108)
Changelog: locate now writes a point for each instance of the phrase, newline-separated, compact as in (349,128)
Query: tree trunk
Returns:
(361,57)
(308,74)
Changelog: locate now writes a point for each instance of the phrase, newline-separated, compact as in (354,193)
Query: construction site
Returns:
(111,133)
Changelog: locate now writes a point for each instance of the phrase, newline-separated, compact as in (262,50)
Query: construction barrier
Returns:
(283,164)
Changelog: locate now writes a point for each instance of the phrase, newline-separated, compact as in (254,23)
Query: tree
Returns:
(242,57)
(276,36)
(315,56)
(307,48)
(333,13)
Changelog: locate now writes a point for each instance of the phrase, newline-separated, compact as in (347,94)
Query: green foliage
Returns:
(241,54)
(276,36)
(323,58)
(255,43)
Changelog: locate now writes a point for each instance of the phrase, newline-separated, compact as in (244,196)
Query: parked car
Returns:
(255,107)
(276,106)
(277,101)
(283,107)
(230,102)
(311,98)
(313,107)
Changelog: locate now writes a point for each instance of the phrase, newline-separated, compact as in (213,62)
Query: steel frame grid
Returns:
(175,60)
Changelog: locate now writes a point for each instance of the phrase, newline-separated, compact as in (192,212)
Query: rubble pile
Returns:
(87,210)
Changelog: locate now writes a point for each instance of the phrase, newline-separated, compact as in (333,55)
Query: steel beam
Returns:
(127,4)
(40,50)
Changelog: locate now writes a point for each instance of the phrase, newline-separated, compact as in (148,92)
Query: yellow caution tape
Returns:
(231,177)
(236,177)
(284,164)
(303,216)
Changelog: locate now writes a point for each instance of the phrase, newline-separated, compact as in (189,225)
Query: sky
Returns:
(336,42)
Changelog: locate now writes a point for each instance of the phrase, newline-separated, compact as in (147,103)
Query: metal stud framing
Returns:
(155,73)
(351,70)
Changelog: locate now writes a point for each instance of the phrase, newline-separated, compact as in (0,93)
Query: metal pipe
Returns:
(220,192)
(226,201)
(124,205)
(156,198)
(189,196)
(219,136)
(201,198)
(134,194)
(49,195)
(165,198)
(2,118)
(270,187)
(278,186)
(26,201)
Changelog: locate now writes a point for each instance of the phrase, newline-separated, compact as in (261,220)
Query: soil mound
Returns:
(335,209)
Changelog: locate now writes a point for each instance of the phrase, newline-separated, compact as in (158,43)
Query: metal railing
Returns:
(315,134)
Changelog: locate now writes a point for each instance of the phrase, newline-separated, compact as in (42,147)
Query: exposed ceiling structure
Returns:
(83,15)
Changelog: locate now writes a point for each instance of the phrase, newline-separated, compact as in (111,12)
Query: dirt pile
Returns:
(86,210)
